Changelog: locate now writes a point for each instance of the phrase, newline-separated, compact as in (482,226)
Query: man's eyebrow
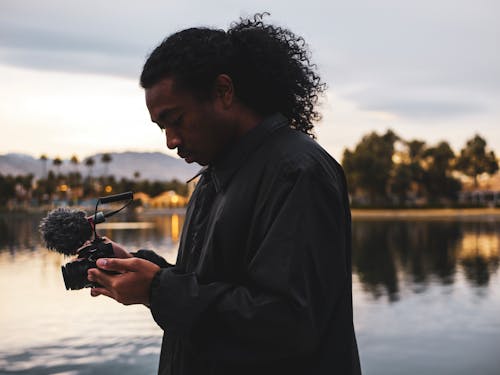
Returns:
(166,113)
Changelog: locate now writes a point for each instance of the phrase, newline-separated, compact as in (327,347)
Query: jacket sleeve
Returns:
(296,275)
(152,257)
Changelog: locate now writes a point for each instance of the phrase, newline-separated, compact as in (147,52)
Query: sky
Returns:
(428,70)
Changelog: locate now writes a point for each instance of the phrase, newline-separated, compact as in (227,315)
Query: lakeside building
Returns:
(487,193)
(168,199)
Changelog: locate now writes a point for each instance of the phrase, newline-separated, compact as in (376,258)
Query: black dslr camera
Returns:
(66,230)
(75,272)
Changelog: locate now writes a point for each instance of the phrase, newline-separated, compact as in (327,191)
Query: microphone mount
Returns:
(100,217)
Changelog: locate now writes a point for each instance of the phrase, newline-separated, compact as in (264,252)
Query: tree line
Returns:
(381,170)
(73,187)
(386,170)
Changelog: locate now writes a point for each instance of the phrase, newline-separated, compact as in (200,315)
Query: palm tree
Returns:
(75,177)
(106,159)
(89,163)
(74,160)
(44,159)
(57,163)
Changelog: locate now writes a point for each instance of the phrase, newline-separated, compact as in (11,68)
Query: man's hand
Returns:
(132,283)
(119,251)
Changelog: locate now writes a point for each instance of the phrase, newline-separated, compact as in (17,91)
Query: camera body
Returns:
(75,272)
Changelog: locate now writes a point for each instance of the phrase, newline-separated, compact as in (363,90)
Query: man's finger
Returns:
(97,276)
(94,292)
(118,264)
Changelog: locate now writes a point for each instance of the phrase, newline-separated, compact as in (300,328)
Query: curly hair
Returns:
(269,65)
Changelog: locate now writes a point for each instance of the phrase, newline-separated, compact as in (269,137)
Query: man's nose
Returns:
(173,139)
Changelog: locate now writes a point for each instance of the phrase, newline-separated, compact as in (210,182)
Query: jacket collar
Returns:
(224,169)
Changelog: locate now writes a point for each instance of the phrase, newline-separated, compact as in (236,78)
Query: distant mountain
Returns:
(150,165)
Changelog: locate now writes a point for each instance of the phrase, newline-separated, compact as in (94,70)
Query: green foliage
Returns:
(475,160)
(47,189)
(382,170)
(7,189)
(401,181)
(57,162)
(368,167)
(106,158)
(89,162)
(438,182)
(387,170)
(15,188)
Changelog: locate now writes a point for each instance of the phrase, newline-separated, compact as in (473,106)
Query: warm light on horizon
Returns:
(65,114)
(175,227)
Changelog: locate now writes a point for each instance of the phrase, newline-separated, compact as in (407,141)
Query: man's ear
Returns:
(224,90)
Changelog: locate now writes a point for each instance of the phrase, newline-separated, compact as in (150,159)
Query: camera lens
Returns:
(75,274)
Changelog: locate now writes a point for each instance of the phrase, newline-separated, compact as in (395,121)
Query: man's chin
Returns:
(190,159)
(202,163)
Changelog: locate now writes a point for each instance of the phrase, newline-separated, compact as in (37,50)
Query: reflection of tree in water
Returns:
(476,270)
(387,253)
(161,237)
(6,235)
(478,251)
(19,231)
(427,250)
(373,259)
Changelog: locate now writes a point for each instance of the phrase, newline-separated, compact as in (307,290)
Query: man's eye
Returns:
(177,121)
(162,128)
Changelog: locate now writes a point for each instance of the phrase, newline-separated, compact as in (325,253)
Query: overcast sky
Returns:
(428,69)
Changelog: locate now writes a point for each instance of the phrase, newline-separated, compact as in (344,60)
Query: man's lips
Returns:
(184,154)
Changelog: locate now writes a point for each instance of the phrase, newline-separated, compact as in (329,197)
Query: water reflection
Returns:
(387,254)
(479,254)
(73,357)
(19,232)
(48,330)
(408,276)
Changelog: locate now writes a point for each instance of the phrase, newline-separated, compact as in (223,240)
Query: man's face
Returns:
(199,130)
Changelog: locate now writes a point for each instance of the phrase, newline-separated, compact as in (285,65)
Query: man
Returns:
(262,282)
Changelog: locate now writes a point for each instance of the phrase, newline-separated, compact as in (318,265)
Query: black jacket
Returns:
(268,288)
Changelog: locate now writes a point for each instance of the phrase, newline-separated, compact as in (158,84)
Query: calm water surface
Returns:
(426,301)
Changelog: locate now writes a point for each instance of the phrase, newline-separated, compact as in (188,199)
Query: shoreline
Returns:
(356,213)
(426,213)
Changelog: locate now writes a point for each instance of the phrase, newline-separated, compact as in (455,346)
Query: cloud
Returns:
(426,59)
(417,102)
(73,62)
(423,109)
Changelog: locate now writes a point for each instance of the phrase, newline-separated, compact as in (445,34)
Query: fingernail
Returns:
(102,262)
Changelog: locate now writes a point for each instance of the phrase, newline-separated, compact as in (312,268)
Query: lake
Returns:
(426,297)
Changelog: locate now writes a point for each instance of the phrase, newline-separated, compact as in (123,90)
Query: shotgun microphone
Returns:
(65,230)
